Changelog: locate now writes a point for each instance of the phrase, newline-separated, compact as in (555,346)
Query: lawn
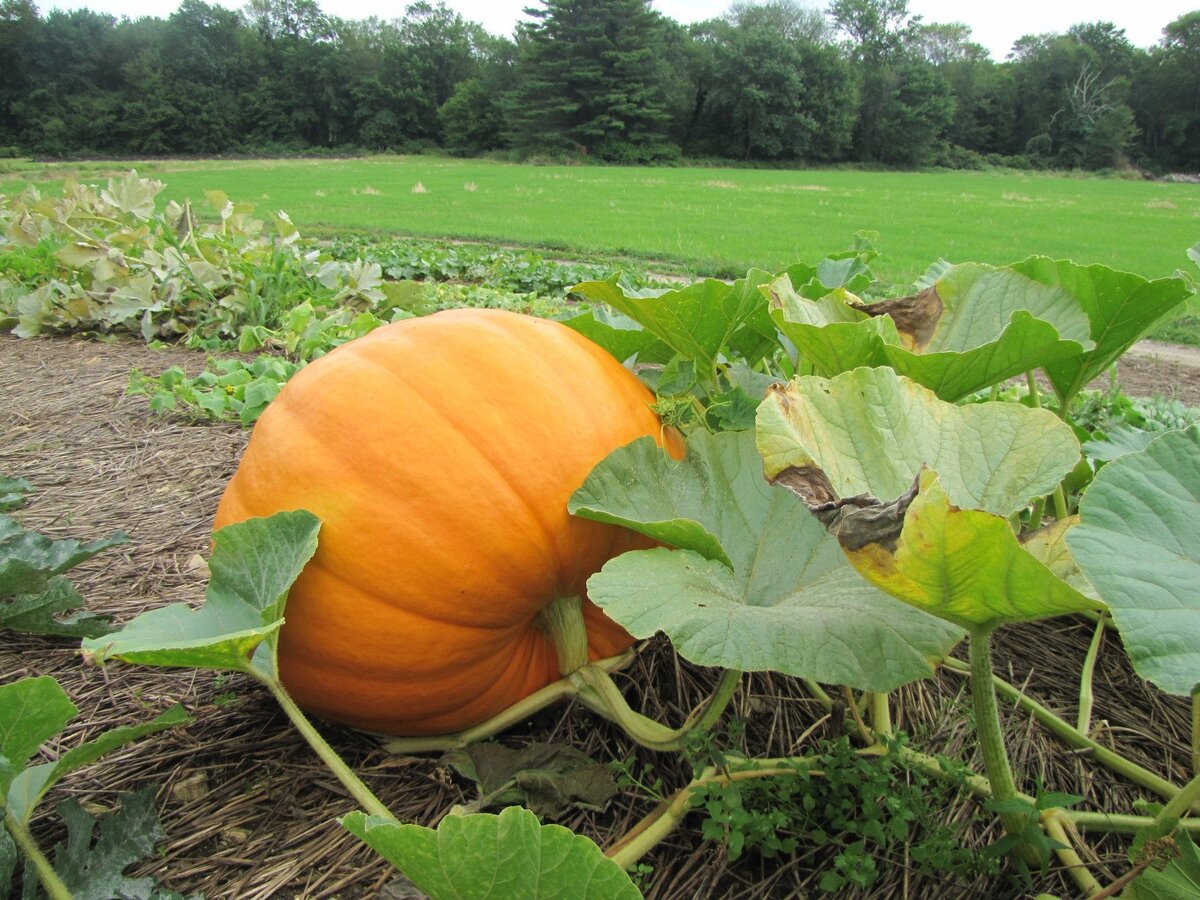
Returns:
(710,220)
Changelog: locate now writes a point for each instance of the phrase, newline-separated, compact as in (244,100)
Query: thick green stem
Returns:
(1069,857)
(1168,817)
(1035,396)
(1122,824)
(1084,720)
(1196,733)
(881,715)
(1036,513)
(818,693)
(53,885)
(1060,503)
(1086,821)
(663,819)
(600,694)
(1101,754)
(336,764)
(991,735)
(562,622)
(518,712)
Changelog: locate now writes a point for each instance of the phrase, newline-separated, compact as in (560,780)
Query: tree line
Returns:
(613,80)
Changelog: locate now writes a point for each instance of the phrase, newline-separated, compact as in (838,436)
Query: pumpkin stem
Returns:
(562,622)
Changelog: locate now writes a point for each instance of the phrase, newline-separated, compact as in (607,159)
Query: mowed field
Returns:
(707,220)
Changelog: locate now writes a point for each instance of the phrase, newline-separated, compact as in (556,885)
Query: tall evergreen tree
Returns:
(590,81)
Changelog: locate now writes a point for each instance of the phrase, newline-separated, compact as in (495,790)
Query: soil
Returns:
(248,810)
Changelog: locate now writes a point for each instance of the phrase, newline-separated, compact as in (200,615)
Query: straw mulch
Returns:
(249,810)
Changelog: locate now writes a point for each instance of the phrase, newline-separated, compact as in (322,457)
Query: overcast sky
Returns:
(995,25)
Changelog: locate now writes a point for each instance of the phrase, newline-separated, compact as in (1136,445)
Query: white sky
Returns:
(995,25)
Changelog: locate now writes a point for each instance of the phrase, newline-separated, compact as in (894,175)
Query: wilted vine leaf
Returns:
(1138,543)
(94,869)
(550,779)
(253,565)
(1178,880)
(756,583)
(510,856)
(975,326)
(916,490)
(1120,308)
(870,431)
(962,565)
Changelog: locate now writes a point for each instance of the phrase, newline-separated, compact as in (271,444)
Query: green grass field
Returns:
(709,220)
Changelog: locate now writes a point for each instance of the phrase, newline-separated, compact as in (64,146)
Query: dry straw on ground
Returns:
(249,810)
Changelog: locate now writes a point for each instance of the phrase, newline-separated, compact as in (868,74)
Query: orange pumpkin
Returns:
(439,453)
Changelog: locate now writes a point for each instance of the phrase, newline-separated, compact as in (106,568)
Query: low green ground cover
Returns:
(711,220)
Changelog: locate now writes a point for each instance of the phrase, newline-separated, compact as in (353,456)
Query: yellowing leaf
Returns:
(965,566)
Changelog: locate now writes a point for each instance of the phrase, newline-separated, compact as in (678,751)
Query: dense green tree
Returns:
(612,79)
(19,23)
(1071,92)
(589,81)
(776,92)
(1165,94)
(917,115)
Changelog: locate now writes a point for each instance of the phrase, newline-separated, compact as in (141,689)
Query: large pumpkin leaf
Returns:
(696,321)
(975,326)
(31,785)
(510,856)
(34,710)
(1120,307)
(871,431)
(620,335)
(963,565)
(755,583)
(253,565)
(1138,543)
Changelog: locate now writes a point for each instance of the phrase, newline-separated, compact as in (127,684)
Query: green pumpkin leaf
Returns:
(28,560)
(31,785)
(253,565)
(620,335)
(1138,543)
(32,711)
(871,431)
(975,326)
(39,613)
(510,856)
(962,565)
(13,492)
(1120,308)
(696,321)
(756,583)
